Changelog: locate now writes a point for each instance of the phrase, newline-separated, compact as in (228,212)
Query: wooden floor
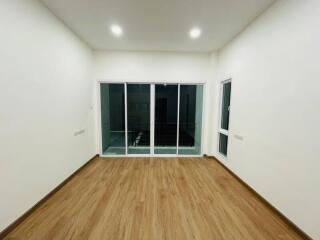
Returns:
(151,199)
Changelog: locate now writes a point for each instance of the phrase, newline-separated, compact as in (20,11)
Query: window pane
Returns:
(138,105)
(190,119)
(225,106)
(112,119)
(223,144)
(166,114)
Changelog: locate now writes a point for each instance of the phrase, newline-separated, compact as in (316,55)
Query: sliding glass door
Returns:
(151,119)
(138,115)
(190,119)
(113,119)
(166,119)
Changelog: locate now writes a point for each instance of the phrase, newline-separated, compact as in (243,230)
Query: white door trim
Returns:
(152,118)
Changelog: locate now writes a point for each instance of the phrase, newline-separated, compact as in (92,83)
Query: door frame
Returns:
(220,130)
(152,116)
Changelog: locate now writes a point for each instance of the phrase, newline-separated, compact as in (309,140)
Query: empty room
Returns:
(159,119)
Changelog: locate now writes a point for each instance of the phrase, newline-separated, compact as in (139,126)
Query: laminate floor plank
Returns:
(154,199)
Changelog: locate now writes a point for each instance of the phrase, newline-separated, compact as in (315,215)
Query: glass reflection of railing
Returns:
(139,134)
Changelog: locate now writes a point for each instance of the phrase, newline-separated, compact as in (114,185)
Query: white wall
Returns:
(158,67)
(151,66)
(212,107)
(45,96)
(275,107)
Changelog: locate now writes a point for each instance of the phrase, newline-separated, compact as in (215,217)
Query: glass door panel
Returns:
(112,119)
(190,119)
(138,118)
(225,106)
(166,117)
(224,117)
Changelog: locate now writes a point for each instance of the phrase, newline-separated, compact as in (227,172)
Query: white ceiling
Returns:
(161,25)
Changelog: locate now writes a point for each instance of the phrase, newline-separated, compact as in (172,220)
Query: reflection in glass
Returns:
(190,119)
(223,144)
(138,105)
(113,119)
(166,114)
(225,106)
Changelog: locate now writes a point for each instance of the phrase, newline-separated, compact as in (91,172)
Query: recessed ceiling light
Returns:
(116,30)
(195,33)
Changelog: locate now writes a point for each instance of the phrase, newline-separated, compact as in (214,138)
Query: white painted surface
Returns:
(275,103)
(121,66)
(151,66)
(161,25)
(45,98)
(211,106)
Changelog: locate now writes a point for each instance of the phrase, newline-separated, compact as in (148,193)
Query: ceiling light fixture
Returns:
(116,30)
(195,33)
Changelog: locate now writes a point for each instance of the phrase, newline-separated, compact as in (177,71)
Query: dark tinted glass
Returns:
(166,114)
(190,119)
(113,119)
(138,105)
(225,106)
(223,144)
